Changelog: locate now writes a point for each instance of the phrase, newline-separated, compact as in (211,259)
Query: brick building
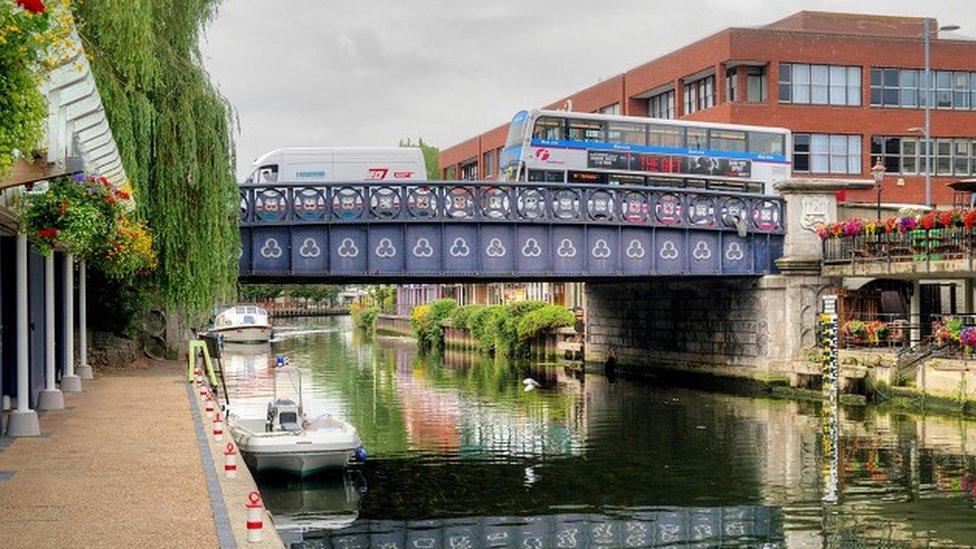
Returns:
(847,85)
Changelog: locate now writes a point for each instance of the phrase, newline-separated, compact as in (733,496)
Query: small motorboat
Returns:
(243,324)
(286,441)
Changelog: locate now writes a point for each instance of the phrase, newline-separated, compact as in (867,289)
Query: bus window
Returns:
(586,130)
(727,140)
(766,143)
(544,176)
(696,138)
(625,133)
(664,136)
(621,179)
(268,173)
(548,128)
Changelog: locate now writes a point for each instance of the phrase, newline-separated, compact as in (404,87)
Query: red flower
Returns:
(64,208)
(122,195)
(33,6)
(945,219)
(50,233)
(969,219)
(928,221)
(110,199)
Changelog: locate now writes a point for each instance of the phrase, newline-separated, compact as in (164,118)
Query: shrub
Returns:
(364,317)
(461,315)
(506,326)
(426,322)
(481,323)
(542,320)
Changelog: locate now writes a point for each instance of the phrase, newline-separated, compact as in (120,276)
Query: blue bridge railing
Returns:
(484,229)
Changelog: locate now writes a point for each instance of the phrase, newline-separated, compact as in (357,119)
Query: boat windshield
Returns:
(288,385)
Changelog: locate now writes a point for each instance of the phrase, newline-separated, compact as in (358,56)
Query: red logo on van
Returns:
(542,154)
(377,173)
(402,175)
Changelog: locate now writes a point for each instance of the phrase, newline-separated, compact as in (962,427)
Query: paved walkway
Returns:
(101,477)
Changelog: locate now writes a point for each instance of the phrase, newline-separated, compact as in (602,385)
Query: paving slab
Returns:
(120,468)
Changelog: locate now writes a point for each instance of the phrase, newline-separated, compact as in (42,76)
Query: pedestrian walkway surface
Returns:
(119,468)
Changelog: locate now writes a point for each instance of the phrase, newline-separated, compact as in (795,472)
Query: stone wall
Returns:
(722,326)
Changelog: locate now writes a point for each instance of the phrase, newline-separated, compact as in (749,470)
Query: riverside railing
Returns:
(918,246)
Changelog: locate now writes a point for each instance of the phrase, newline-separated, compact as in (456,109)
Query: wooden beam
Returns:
(24,172)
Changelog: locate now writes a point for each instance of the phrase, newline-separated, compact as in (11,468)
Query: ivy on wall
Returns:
(174,132)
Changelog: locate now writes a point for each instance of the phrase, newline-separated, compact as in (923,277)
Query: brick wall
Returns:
(702,323)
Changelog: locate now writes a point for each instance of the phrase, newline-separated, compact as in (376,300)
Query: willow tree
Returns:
(174,131)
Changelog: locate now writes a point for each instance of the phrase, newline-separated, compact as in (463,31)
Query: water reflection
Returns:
(457,446)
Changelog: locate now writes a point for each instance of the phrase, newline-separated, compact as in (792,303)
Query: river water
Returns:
(461,456)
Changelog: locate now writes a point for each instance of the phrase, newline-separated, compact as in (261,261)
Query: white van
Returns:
(327,164)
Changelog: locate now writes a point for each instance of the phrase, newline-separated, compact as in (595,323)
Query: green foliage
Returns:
(481,324)
(259,292)
(383,295)
(173,130)
(426,322)
(542,320)
(431,155)
(66,214)
(22,107)
(116,305)
(460,316)
(364,317)
(507,329)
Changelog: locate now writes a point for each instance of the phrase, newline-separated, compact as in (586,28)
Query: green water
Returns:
(461,456)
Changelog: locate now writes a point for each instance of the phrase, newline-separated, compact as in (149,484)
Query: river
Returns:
(461,456)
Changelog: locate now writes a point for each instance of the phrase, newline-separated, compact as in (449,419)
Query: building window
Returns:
(819,84)
(488,161)
(756,84)
(610,109)
(906,155)
(906,88)
(700,94)
(830,154)
(661,105)
(731,75)
(469,170)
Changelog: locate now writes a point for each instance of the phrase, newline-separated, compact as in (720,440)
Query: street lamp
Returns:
(926,36)
(878,171)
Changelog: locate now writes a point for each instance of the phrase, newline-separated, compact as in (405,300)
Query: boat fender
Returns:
(361,454)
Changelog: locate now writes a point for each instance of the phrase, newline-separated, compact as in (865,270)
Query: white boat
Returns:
(287,441)
(243,324)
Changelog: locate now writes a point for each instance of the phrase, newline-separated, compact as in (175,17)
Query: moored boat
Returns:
(286,441)
(243,324)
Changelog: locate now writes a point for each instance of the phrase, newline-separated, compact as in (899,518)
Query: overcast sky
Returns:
(370,72)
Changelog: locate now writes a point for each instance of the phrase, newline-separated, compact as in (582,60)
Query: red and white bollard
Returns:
(230,461)
(255,518)
(218,428)
(208,406)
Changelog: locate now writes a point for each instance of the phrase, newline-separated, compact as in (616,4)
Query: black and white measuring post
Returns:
(830,412)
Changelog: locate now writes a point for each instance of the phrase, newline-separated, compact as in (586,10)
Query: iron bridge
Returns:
(458,230)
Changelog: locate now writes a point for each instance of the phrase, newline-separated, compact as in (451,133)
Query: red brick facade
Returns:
(865,41)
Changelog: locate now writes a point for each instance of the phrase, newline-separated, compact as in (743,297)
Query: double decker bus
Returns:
(572,147)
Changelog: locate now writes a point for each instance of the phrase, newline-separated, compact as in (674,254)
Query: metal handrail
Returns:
(920,245)
(291,203)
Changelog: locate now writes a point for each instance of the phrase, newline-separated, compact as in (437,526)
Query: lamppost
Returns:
(878,171)
(926,36)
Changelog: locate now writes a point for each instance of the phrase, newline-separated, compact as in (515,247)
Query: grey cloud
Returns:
(370,72)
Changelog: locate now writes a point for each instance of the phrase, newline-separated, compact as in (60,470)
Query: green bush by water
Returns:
(427,320)
(364,317)
(508,329)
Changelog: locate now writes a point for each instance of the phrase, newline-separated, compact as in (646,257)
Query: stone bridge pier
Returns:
(757,327)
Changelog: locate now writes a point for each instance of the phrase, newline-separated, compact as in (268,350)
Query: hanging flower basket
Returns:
(86,216)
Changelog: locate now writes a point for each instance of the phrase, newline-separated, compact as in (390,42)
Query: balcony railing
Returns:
(919,246)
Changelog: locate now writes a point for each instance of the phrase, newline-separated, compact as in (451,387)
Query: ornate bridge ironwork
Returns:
(490,230)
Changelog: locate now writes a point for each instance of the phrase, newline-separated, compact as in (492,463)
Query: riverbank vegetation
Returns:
(501,330)
(364,316)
